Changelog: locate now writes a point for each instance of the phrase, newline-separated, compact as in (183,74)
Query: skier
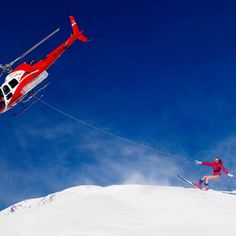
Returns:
(217,167)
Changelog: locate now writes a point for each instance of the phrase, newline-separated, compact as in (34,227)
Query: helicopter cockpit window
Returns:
(1,95)
(13,83)
(6,89)
(2,104)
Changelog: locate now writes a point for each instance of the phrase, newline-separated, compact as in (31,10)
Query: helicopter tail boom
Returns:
(76,32)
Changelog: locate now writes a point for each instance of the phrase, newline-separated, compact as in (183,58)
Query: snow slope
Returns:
(130,210)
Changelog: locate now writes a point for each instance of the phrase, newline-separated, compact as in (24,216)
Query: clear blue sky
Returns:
(161,73)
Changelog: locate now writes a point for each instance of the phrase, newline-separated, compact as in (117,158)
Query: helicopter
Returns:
(19,85)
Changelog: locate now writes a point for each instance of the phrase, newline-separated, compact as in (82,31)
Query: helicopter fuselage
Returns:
(25,77)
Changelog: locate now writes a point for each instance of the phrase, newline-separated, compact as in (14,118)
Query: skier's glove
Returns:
(198,162)
(230,175)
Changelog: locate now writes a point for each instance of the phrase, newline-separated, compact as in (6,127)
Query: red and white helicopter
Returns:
(19,85)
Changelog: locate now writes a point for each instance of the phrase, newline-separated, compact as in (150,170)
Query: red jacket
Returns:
(217,167)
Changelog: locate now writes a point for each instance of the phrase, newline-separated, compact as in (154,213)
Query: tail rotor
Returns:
(76,32)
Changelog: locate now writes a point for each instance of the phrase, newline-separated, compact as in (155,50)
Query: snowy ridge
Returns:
(123,210)
(37,202)
(27,204)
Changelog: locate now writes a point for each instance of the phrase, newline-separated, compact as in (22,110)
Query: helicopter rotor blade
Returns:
(31,49)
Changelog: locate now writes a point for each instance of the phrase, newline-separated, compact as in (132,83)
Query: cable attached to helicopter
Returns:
(143,146)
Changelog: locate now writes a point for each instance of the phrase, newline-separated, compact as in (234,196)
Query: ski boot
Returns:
(206,187)
(199,184)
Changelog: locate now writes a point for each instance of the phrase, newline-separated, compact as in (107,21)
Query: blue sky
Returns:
(161,73)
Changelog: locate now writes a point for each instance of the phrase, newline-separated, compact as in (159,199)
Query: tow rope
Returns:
(143,146)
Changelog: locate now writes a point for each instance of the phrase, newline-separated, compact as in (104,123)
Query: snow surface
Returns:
(130,210)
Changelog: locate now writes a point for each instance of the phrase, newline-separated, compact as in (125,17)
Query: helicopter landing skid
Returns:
(28,106)
(33,96)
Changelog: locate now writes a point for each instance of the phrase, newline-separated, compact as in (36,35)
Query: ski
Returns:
(231,193)
(187,181)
